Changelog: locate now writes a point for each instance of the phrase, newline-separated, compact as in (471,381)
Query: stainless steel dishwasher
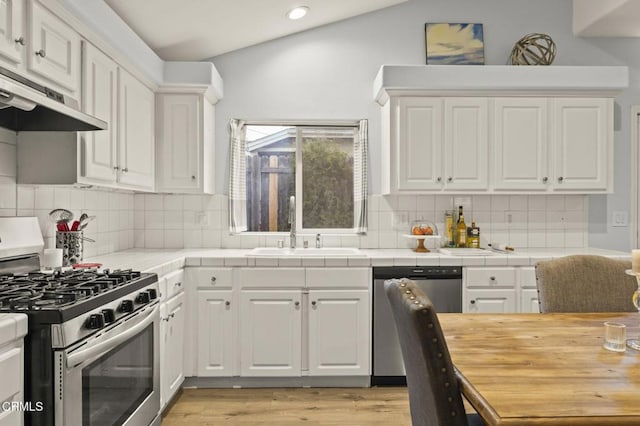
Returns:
(443,285)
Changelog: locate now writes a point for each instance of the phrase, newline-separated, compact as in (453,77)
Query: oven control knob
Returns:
(143,297)
(109,315)
(126,306)
(153,294)
(95,321)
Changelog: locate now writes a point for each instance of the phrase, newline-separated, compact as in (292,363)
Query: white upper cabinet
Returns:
(538,129)
(521,136)
(99,149)
(417,145)
(136,140)
(583,151)
(185,143)
(12,36)
(53,51)
(465,143)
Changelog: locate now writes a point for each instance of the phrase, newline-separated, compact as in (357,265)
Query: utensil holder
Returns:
(72,245)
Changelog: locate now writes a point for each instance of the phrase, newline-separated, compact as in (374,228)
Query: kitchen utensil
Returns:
(85,222)
(62,225)
(76,224)
(57,215)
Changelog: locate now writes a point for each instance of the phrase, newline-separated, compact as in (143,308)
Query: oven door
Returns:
(112,378)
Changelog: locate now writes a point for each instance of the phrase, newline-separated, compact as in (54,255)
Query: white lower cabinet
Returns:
(173,317)
(215,349)
(499,289)
(270,333)
(172,332)
(280,322)
(339,332)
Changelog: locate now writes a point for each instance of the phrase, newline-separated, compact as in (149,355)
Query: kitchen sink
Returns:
(305,252)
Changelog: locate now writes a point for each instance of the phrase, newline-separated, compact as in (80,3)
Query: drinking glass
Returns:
(635,343)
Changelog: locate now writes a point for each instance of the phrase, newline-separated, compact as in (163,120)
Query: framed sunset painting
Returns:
(454,44)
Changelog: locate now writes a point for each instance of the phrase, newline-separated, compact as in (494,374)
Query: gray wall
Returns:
(328,72)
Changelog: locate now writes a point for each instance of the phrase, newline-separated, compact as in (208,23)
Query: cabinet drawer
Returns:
(174,284)
(490,277)
(338,277)
(272,277)
(210,277)
(11,371)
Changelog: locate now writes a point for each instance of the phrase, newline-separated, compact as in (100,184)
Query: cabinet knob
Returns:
(213,279)
(297,304)
(172,314)
(125,170)
(313,303)
(439,179)
(41,53)
(20,41)
(227,303)
(473,302)
(449,179)
(178,284)
(560,179)
(492,278)
(193,177)
(545,179)
(116,168)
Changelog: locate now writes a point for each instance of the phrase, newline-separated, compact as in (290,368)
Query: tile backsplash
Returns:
(194,221)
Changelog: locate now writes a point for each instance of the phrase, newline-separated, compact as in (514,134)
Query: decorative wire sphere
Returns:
(533,49)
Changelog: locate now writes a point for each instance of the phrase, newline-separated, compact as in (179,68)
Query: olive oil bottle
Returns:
(461,230)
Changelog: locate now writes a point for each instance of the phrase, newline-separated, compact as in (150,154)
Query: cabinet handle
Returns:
(227,303)
(20,41)
(172,314)
(41,53)
(492,278)
(116,168)
(125,170)
(178,284)
(449,179)
(213,279)
(560,179)
(313,303)
(473,302)
(193,177)
(439,179)
(545,179)
(297,304)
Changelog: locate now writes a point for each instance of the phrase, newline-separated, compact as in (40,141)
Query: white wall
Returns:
(328,72)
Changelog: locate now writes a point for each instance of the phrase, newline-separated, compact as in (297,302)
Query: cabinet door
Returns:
(179,141)
(12,37)
(521,135)
(215,333)
(100,99)
(54,49)
(339,332)
(136,153)
(174,344)
(270,332)
(418,159)
(466,143)
(489,301)
(584,148)
(529,302)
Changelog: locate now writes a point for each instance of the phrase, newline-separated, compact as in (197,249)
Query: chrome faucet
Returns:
(292,221)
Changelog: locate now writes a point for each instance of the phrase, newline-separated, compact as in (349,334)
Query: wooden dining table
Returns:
(545,369)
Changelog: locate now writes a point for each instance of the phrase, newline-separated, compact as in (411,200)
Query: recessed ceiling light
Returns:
(297,12)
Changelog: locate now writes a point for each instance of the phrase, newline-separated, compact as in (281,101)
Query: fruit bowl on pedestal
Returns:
(420,231)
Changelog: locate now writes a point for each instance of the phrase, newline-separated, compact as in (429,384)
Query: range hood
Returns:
(27,105)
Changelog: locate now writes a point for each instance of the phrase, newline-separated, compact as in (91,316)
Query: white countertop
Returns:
(163,261)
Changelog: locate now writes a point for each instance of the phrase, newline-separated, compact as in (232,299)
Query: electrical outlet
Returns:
(202,218)
(400,220)
(620,219)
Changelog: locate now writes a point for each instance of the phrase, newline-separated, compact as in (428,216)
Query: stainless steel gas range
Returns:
(91,352)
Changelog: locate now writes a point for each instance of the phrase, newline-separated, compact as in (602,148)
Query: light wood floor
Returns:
(291,406)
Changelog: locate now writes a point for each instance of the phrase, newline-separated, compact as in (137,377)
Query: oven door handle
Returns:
(77,358)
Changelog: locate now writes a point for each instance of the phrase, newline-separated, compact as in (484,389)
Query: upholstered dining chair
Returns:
(585,283)
(434,394)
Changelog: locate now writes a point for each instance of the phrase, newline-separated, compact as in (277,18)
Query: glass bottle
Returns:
(461,229)
(473,235)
